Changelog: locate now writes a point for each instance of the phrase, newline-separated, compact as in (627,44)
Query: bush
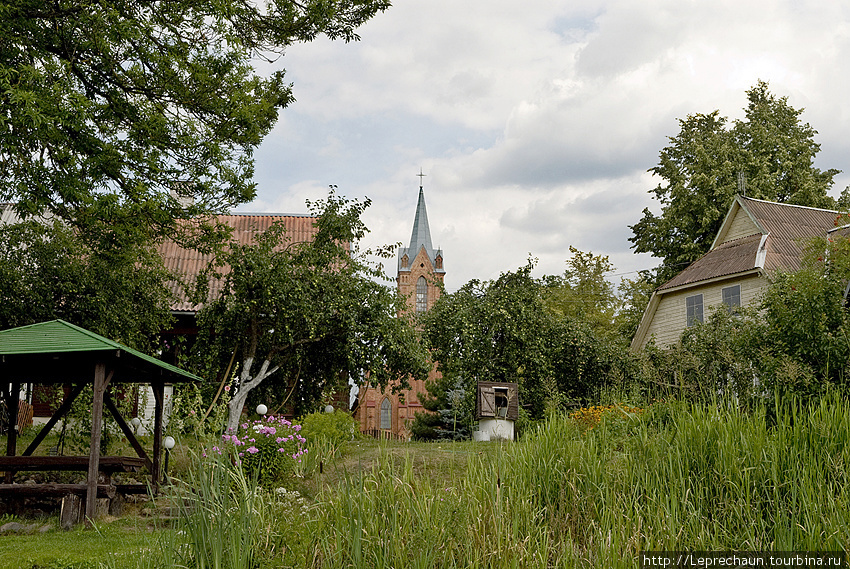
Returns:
(335,428)
(268,448)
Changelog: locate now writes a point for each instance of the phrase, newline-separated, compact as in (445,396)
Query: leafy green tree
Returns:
(111,108)
(583,293)
(308,316)
(770,151)
(502,330)
(48,272)
(806,317)
(634,295)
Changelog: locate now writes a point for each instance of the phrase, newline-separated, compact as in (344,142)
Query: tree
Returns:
(583,293)
(770,154)
(309,315)
(111,111)
(48,272)
(502,330)
(805,313)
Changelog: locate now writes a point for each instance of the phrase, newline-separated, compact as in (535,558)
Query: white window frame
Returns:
(731,293)
(421,294)
(693,309)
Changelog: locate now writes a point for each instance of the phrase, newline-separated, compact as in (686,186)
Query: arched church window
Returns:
(421,295)
(386,414)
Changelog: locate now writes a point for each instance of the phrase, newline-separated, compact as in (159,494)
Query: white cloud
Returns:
(536,121)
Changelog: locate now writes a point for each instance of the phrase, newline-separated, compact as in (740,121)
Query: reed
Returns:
(677,476)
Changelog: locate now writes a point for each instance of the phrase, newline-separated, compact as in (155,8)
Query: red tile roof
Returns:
(189,263)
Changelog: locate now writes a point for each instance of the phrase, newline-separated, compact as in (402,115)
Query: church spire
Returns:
(420,236)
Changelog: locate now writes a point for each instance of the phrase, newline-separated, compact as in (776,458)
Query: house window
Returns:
(694,309)
(386,414)
(421,295)
(732,297)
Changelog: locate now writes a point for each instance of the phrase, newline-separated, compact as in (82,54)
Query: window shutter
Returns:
(487,401)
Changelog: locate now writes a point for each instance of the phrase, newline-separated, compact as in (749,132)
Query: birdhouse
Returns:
(497,409)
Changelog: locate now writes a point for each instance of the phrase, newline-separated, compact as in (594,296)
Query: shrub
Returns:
(336,428)
(268,448)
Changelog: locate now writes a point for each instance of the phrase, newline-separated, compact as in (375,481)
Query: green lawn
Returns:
(124,539)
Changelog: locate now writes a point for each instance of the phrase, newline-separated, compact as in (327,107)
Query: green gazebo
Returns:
(60,353)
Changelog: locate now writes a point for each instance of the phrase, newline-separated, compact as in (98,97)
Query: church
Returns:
(419,280)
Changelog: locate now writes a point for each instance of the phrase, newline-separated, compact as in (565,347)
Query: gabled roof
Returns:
(420,237)
(43,352)
(757,237)
(730,258)
(775,243)
(189,263)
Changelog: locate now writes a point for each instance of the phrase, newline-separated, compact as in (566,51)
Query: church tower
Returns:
(419,280)
(420,266)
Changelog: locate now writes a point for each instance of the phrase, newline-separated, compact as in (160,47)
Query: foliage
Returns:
(336,428)
(47,272)
(583,293)
(503,331)
(770,148)
(225,519)
(266,449)
(677,476)
(634,296)
(806,320)
(310,315)
(110,108)
(76,430)
(588,418)
(189,412)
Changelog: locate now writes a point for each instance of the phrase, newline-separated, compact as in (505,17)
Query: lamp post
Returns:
(262,409)
(136,422)
(168,443)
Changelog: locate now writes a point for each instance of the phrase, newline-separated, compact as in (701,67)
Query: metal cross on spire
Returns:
(421,175)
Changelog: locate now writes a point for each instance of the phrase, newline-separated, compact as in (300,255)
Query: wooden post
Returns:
(100,383)
(159,399)
(12,430)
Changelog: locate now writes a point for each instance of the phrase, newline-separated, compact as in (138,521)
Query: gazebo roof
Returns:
(60,352)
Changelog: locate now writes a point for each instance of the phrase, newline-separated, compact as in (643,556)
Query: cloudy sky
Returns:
(535,122)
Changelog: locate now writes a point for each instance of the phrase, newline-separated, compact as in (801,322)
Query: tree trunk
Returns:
(235,410)
(246,384)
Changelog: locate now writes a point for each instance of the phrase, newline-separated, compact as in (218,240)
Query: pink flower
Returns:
(253,450)
(227,388)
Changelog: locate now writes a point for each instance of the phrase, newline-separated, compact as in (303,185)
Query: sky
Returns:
(536,122)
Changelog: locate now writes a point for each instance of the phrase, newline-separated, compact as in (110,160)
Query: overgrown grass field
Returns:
(571,493)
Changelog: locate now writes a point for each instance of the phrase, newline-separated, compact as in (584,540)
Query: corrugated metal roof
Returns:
(189,263)
(729,258)
(58,337)
(52,337)
(787,228)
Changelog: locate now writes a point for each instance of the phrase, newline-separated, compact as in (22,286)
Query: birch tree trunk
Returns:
(247,382)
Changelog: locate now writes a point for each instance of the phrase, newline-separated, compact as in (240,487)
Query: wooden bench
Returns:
(110,496)
(107,464)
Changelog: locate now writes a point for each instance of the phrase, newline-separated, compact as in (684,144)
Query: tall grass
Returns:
(679,476)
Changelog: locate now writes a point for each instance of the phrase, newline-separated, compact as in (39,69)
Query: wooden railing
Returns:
(381,434)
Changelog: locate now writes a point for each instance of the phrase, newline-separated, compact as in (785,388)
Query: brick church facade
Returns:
(419,279)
